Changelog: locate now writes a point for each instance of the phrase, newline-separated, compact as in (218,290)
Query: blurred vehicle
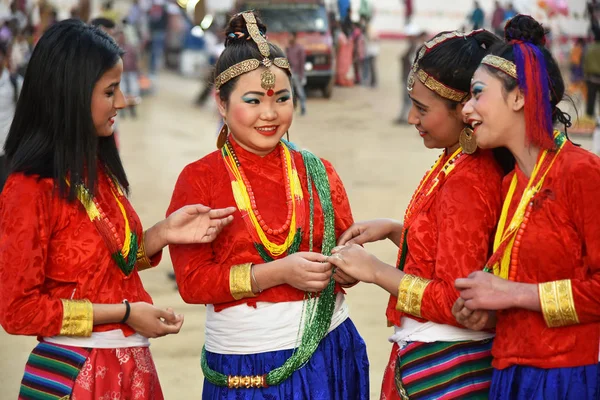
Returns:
(308,19)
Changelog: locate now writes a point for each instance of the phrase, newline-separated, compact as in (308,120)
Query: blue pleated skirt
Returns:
(338,370)
(522,382)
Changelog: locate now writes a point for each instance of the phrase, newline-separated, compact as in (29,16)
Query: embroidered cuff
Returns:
(142,262)
(240,281)
(557,303)
(410,294)
(78,318)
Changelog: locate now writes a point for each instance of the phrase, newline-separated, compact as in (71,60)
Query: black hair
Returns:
(454,61)
(527,29)
(241,48)
(4,48)
(103,22)
(52,134)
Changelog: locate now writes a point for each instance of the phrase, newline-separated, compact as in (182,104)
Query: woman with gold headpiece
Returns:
(277,326)
(542,294)
(446,233)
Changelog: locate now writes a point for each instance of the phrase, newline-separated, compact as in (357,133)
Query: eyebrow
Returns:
(113,85)
(262,93)
(418,102)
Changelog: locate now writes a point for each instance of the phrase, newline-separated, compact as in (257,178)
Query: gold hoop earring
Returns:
(467,141)
(223,134)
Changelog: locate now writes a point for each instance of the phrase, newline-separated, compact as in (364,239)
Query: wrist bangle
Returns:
(127,311)
(254,279)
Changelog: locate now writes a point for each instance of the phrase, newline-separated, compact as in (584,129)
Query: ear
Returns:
(517,99)
(221,105)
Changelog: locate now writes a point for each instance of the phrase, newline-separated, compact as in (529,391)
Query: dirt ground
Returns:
(379,162)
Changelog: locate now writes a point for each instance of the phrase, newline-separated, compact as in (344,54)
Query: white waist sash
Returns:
(429,332)
(268,327)
(114,339)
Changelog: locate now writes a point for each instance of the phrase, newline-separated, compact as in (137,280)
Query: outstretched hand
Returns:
(196,224)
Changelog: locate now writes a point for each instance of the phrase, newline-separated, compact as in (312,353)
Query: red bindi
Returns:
(270,92)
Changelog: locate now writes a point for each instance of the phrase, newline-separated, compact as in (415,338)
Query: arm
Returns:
(466,219)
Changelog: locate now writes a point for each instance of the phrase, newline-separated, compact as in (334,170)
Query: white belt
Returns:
(429,332)
(268,327)
(102,340)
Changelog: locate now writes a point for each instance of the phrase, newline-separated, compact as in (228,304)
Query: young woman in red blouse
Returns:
(541,287)
(71,244)
(446,233)
(277,325)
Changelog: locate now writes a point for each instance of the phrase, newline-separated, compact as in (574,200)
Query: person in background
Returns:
(498,19)
(158,21)
(10,86)
(360,53)
(576,58)
(510,12)
(109,12)
(105,24)
(131,69)
(415,36)
(296,55)
(345,49)
(372,51)
(591,71)
(19,54)
(477,17)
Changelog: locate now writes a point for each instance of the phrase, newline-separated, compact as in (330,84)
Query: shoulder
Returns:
(203,167)
(578,169)
(24,192)
(479,172)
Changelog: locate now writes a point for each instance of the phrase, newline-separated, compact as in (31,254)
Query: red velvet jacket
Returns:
(561,241)
(453,236)
(50,250)
(202,271)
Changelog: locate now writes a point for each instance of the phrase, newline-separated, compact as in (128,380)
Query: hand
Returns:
(309,272)
(485,291)
(476,320)
(355,261)
(369,231)
(152,322)
(343,278)
(196,224)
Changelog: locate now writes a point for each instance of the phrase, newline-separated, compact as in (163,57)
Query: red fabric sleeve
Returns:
(26,215)
(199,278)
(466,219)
(583,194)
(339,199)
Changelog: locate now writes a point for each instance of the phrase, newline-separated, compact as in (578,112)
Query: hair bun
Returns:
(525,28)
(237,32)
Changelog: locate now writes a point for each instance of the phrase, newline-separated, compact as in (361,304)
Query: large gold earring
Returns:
(467,141)
(223,136)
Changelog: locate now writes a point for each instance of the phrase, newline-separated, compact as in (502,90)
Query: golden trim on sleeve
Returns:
(78,318)
(558,306)
(410,294)
(240,281)
(142,261)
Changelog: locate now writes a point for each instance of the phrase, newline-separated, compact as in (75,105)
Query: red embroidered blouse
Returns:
(453,236)
(50,250)
(561,241)
(202,271)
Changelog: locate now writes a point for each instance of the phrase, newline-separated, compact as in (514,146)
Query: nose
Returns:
(120,101)
(269,113)
(413,117)
(467,109)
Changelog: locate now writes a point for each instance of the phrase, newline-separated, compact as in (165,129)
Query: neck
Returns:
(526,157)
(450,150)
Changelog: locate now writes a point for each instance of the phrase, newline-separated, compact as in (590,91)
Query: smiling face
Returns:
(107,99)
(497,117)
(258,121)
(438,125)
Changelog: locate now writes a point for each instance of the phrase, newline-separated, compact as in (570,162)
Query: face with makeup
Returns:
(107,99)
(437,123)
(256,120)
(495,115)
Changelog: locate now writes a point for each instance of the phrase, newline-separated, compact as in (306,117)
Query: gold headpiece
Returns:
(501,64)
(429,81)
(267,78)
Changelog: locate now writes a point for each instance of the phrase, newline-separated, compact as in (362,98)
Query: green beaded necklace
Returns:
(317,311)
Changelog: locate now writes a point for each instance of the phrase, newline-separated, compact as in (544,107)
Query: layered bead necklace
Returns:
(246,203)
(124,253)
(424,194)
(507,242)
